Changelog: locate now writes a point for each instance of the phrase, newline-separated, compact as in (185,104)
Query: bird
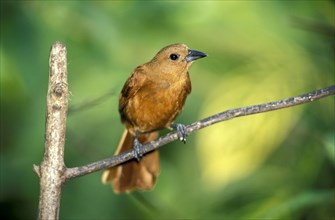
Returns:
(150,100)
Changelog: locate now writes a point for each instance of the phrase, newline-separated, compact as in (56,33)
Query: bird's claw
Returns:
(137,149)
(181,131)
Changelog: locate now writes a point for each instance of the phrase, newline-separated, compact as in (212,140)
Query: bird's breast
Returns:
(156,106)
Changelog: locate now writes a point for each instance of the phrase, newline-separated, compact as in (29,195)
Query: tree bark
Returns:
(52,169)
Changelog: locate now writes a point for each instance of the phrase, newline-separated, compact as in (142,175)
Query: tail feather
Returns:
(133,174)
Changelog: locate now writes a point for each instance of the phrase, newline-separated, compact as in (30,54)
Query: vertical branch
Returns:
(52,169)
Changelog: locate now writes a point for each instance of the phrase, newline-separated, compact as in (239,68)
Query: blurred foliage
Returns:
(277,165)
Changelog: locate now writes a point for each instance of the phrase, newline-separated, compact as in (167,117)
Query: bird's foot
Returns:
(181,131)
(137,149)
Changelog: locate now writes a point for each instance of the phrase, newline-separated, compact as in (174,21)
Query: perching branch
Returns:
(223,116)
(51,171)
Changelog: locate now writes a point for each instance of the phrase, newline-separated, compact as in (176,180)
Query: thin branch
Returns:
(223,116)
(52,169)
(314,26)
(91,103)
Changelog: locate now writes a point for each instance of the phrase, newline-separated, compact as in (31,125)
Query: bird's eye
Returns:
(174,56)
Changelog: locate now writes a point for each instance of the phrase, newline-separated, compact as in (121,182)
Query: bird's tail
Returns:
(133,174)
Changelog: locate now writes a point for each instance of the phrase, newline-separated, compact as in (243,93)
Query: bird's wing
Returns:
(132,86)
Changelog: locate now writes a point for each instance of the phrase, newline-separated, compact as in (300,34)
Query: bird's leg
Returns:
(181,131)
(137,147)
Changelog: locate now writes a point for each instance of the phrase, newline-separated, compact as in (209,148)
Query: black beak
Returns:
(194,55)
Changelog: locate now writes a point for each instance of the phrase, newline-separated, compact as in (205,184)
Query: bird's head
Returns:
(175,58)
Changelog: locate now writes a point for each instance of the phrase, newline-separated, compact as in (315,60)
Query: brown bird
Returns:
(150,100)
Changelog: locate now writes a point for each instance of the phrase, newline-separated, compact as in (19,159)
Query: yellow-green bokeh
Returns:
(277,165)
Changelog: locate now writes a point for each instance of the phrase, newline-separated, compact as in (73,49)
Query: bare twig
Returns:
(223,116)
(314,26)
(51,171)
(91,103)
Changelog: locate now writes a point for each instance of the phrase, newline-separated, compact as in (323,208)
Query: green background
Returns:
(277,165)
